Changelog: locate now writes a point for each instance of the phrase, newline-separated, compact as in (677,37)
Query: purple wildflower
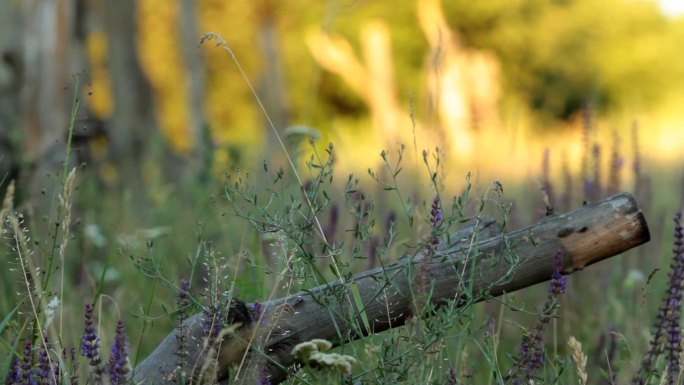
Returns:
(390,223)
(667,337)
(211,323)
(372,252)
(73,378)
(14,372)
(182,310)
(436,219)
(331,229)
(531,352)
(256,310)
(616,163)
(636,162)
(264,375)
(547,187)
(558,281)
(90,343)
(436,216)
(568,184)
(27,364)
(489,329)
(118,356)
(44,370)
(592,187)
(422,279)
(451,377)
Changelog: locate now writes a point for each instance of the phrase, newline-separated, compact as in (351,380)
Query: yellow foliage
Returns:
(230,107)
(160,55)
(101,103)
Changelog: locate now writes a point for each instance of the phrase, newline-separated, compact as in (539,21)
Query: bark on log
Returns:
(496,264)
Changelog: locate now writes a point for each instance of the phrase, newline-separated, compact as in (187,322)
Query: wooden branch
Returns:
(496,264)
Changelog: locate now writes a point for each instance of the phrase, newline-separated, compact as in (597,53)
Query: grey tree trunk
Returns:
(133,123)
(11,80)
(272,82)
(198,160)
(499,264)
(41,42)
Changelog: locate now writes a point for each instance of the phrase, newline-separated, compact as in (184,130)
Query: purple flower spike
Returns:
(14,373)
(118,357)
(451,377)
(257,308)
(182,309)
(558,281)
(667,336)
(90,344)
(264,376)
(44,371)
(531,353)
(26,364)
(436,216)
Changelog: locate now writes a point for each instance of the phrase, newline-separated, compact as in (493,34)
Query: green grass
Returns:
(247,233)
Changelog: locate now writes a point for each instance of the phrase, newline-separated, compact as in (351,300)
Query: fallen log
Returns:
(262,336)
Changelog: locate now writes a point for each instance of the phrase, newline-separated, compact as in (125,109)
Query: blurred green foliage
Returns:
(556,54)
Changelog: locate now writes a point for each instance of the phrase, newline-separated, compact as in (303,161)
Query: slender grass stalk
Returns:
(65,203)
(75,102)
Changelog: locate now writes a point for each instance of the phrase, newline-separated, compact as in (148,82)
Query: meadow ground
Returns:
(128,254)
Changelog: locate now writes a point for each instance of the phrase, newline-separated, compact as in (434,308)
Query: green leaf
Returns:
(8,317)
(359,306)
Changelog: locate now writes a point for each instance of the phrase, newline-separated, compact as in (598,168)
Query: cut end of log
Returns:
(589,238)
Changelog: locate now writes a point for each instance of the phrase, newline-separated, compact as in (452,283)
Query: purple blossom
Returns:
(90,343)
(44,370)
(436,216)
(390,222)
(558,281)
(14,372)
(331,229)
(546,180)
(118,356)
(531,352)
(592,187)
(211,323)
(183,294)
(636,163)
(436,219)
(451,377)
(264,375)
(256,310)
(182,310)
(71,357)
(27,364)
(667,336)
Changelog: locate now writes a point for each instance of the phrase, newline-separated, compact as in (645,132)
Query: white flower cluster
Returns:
(311,353)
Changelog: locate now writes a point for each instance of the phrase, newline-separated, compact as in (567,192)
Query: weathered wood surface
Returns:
(502,263)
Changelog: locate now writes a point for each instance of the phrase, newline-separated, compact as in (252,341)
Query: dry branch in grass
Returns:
(502,263)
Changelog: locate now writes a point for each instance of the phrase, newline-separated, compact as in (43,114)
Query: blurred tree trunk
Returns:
(272,83)
(133,121)
(47,40)
(200,158)
(11,78)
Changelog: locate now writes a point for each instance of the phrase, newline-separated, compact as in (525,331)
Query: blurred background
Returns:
(560,101)
(491,83)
